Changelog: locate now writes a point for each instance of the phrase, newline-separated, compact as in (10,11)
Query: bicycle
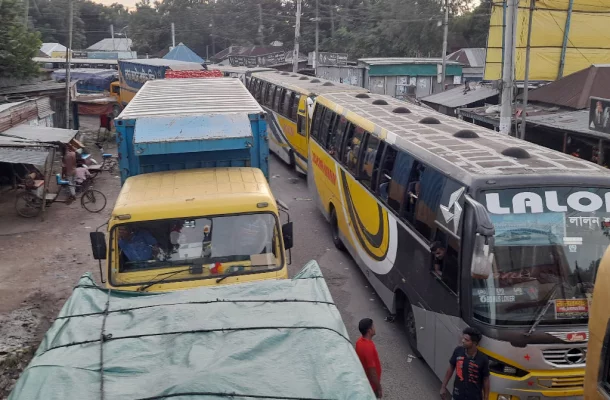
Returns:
(29,202)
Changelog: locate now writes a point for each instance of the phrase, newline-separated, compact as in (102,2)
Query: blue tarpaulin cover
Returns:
(276,339)
(92,80)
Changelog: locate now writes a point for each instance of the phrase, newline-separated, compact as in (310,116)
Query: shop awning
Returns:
(13,155)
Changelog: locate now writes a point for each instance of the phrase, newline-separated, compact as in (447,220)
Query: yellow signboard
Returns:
(567,36)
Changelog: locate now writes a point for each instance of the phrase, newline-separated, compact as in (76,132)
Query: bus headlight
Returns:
(502,368)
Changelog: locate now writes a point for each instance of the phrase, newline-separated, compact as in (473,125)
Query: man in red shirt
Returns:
(367,353)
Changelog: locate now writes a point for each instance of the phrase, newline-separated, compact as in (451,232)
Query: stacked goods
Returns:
(169,74)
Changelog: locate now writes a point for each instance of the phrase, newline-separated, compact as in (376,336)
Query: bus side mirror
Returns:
(287,235)
(98,245)
(482,254)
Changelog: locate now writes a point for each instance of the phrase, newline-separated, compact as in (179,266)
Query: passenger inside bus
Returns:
(438,253)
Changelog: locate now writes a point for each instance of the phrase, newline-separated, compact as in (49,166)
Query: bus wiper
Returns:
(153,282)
(551,298)
(237,272)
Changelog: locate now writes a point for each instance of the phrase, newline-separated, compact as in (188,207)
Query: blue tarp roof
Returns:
(183,53)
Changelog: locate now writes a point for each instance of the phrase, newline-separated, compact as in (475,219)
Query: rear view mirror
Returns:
(287,235)
(98,245)
(482,253)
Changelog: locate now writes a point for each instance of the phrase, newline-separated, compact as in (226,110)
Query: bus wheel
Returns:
(334,223)
(291,157)
(411,329)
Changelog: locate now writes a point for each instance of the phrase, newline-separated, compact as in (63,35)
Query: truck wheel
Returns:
(411,328)
(334,223)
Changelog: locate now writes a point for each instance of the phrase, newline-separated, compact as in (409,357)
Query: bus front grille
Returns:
(563,382)
(566,356)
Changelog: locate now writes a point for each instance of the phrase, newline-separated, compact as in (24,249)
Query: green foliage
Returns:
(17,44)
(406,28)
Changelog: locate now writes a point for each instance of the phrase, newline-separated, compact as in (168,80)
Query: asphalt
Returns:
(404,377)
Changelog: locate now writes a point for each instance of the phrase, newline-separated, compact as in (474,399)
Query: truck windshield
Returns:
(548,245)
(216,246)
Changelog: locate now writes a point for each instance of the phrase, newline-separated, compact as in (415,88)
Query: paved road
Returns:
(404,377)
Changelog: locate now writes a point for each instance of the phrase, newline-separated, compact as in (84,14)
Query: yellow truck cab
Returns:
(195,208)
(597,373)
(181,229)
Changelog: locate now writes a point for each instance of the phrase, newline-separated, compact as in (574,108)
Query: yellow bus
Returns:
(198,227)
(597,375)
(455,225)
(288,99)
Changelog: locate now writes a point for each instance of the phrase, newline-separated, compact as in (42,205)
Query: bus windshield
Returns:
(215,245)
(548,245)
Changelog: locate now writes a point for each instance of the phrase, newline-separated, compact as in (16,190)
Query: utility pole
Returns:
(112,36)
(297,37)
(332,22)
(508,67)
(173,36)
(69,60)
(315,58)
(527,69)
(445,33)
(261,38)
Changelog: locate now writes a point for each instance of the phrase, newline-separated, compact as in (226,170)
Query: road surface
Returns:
(404,377)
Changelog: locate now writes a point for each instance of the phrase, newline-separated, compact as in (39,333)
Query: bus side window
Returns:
(368,159)
(336,135)
(287,103)
(397,189)
(324,127)
(428,199)
(259,90)
(413,191)
(301,125)
(353,146)
(317,121)
(295,107)
(277,99)
(445,259)
(270,93)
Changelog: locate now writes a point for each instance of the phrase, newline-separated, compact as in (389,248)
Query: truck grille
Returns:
(564,382)
(567,356)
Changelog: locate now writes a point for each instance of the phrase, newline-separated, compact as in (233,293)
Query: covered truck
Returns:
(192,123)
(278,339)
(195,208)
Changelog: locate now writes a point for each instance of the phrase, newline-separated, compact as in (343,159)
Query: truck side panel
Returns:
(259,152)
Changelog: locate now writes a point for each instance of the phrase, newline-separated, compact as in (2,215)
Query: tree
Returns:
(17,45)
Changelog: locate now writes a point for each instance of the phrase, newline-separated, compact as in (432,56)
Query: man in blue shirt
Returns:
(137,245)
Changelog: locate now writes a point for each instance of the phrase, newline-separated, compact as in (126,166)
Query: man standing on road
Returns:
(367,353)
(471,369)
(70,170)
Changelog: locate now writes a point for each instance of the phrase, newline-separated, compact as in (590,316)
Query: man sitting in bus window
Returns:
(438,254)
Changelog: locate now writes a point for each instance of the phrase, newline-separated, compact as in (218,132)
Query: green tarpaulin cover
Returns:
(277,339)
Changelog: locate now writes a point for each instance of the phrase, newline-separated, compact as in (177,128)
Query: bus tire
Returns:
(292,159)
(410,328)
(334,223)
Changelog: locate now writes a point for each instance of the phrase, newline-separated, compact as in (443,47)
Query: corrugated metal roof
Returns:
(574,90)
(109,44)
(167,97)
(463,158)
(21,156)
(34,88)
(237,70)
(175,65)
(7,106)
(577,121)
(457,97)
(44,107)
(49,48)
(183,53)
(404,60)
(303,83)
(75,60)
(40,133)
